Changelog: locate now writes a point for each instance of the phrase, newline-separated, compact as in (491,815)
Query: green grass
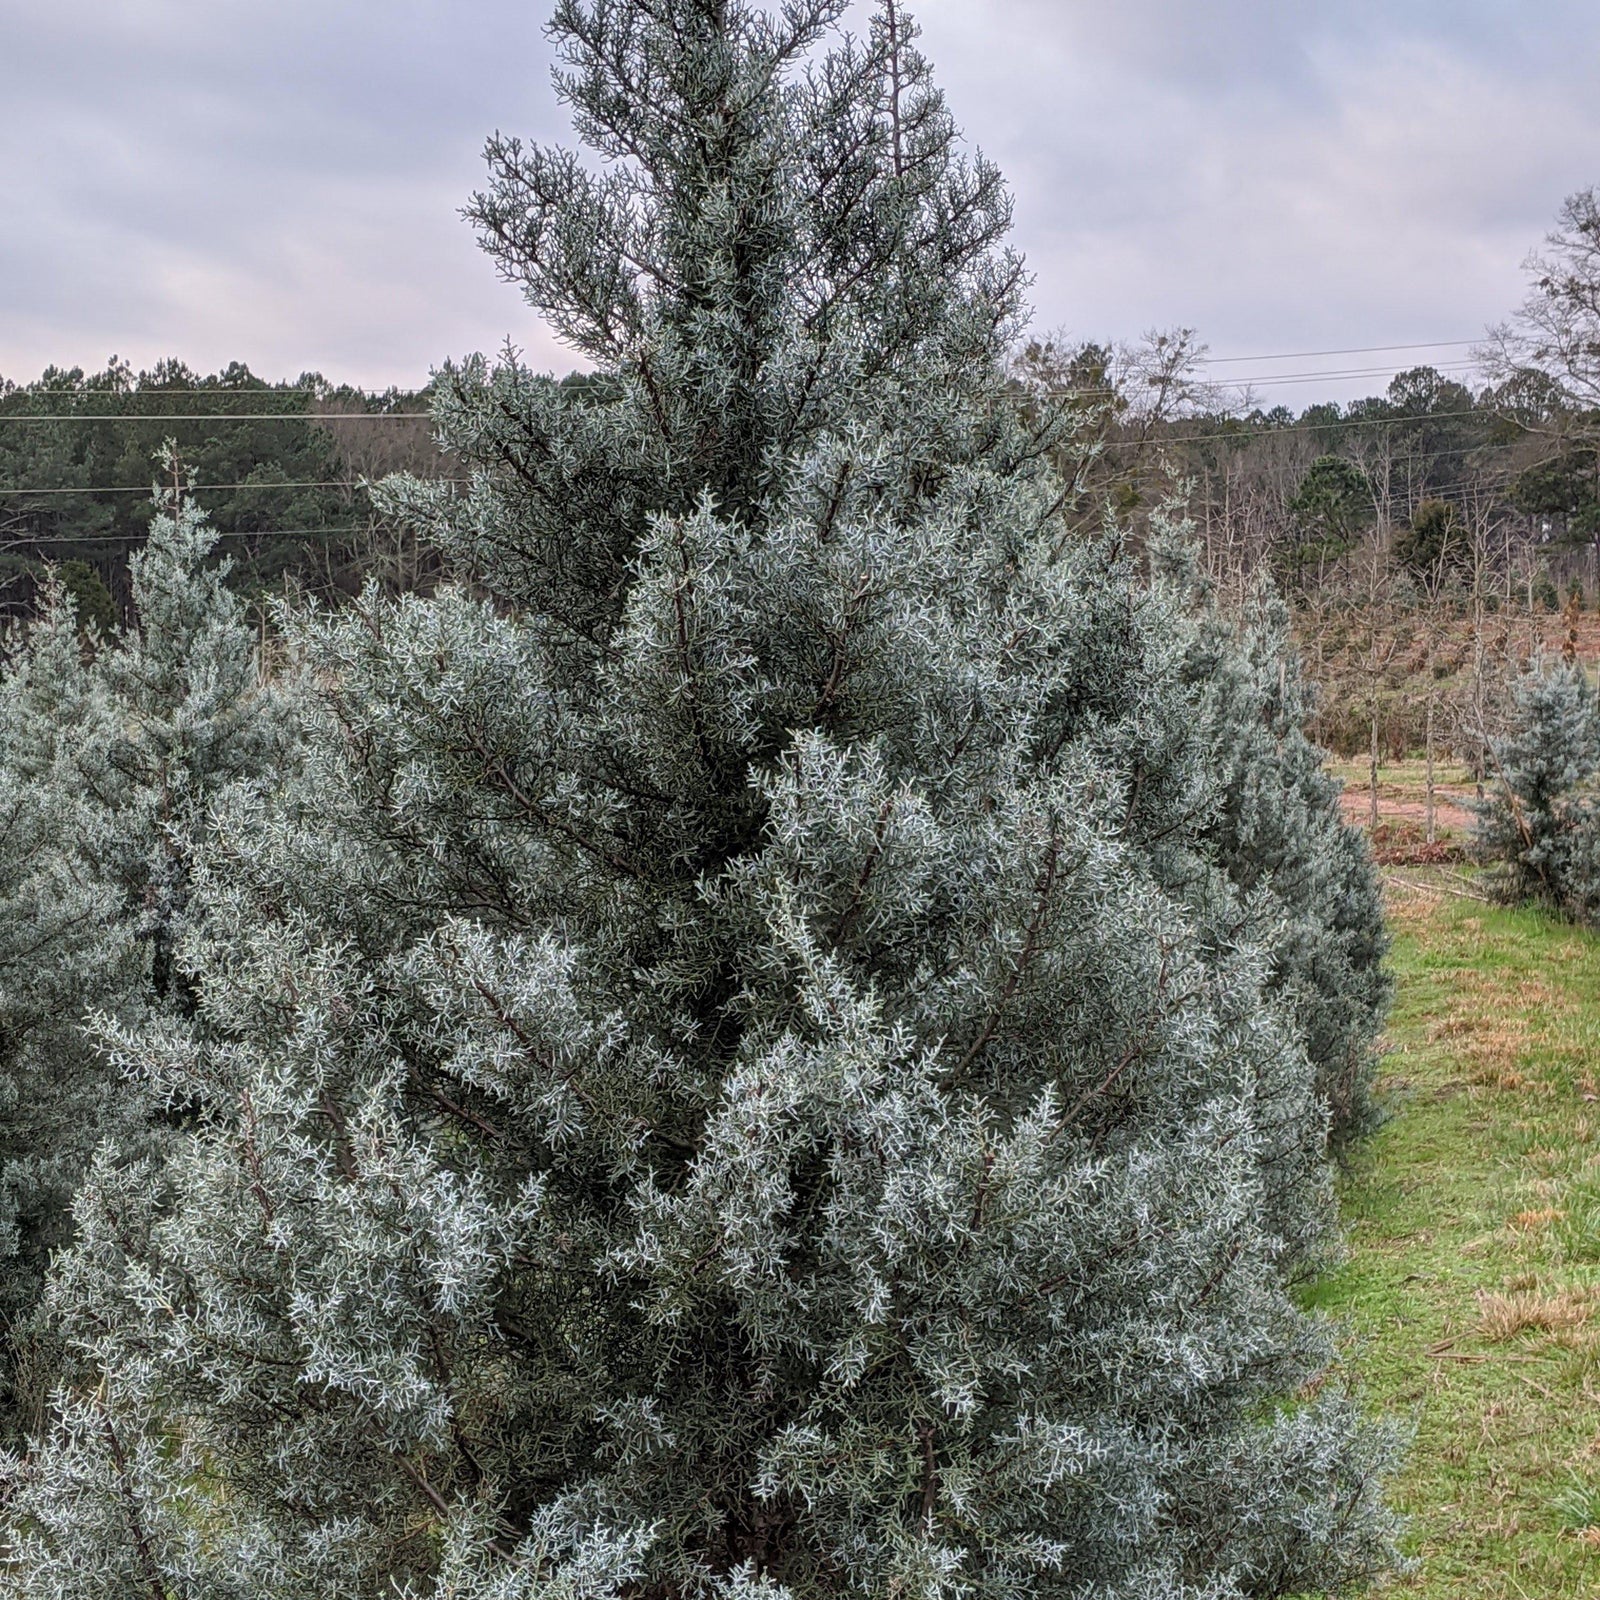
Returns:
(1471,1296)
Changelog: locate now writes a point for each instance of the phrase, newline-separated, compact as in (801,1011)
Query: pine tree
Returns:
(1540,822)
(704,1088)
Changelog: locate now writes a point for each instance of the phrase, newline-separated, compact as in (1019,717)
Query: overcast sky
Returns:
(277,181)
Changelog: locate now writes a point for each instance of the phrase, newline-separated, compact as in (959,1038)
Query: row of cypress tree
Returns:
(782,1036)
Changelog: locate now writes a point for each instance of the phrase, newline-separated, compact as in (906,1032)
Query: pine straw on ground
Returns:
(1471,1297)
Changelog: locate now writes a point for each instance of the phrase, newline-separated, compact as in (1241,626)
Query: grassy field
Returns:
(1471,1296)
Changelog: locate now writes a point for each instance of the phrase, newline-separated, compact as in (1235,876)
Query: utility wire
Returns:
(1243,428)
(264,392)
(1349,374)
(200,488)
(1459,495)
(1353,350)
(139,538)
(1244,431)
(1345,376)
(413,416)
(212,488)
(1324,375)
(216,416)
(9,490)
(1327,375)
(1422,454)
(347,388)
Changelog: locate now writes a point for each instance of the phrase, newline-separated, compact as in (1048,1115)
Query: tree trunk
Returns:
(1372,771)
(1429,740)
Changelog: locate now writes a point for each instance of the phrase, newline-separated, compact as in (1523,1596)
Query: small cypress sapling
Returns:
(193,716)
(1540,823)
(706,1088)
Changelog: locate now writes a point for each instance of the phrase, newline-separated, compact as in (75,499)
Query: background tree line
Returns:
(285,494)
(1433,541)
(1436,542)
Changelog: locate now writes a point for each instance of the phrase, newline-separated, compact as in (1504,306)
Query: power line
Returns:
(1446,370)
(1245,431)
(346,416)
(1346,374)
(1400,461)
(347,388)
(218,416)
(1330,375)
(426,416)
(198,488)
(139,538)
(1243,426)
(265,391)
(1353,350)
(1324,375)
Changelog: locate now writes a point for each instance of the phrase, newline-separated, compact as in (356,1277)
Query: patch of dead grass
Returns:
(1502,1317)
(1534,1220)
(1495,1022)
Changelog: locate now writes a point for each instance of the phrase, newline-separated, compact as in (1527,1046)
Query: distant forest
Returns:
(1435,542)
(278,467)
(1426,467)
(1394,524)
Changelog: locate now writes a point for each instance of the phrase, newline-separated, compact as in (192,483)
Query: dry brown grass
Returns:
(1533,1221)
(1490,1025)
(1502,1317)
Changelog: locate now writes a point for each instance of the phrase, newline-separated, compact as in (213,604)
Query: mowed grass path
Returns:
(1471,1296)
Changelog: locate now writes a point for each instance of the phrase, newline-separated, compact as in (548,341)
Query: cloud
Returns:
(1281,176)
(275,184)
(279,184)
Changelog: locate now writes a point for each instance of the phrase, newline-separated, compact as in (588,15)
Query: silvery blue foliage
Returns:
(1275,830)
(111,754)
(714,1082)
(190,716)
(63,949)
(1540,824)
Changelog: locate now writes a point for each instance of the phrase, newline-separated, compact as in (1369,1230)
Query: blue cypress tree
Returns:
(707,1086)
(112,752)
(1540,824)
(1276,832)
